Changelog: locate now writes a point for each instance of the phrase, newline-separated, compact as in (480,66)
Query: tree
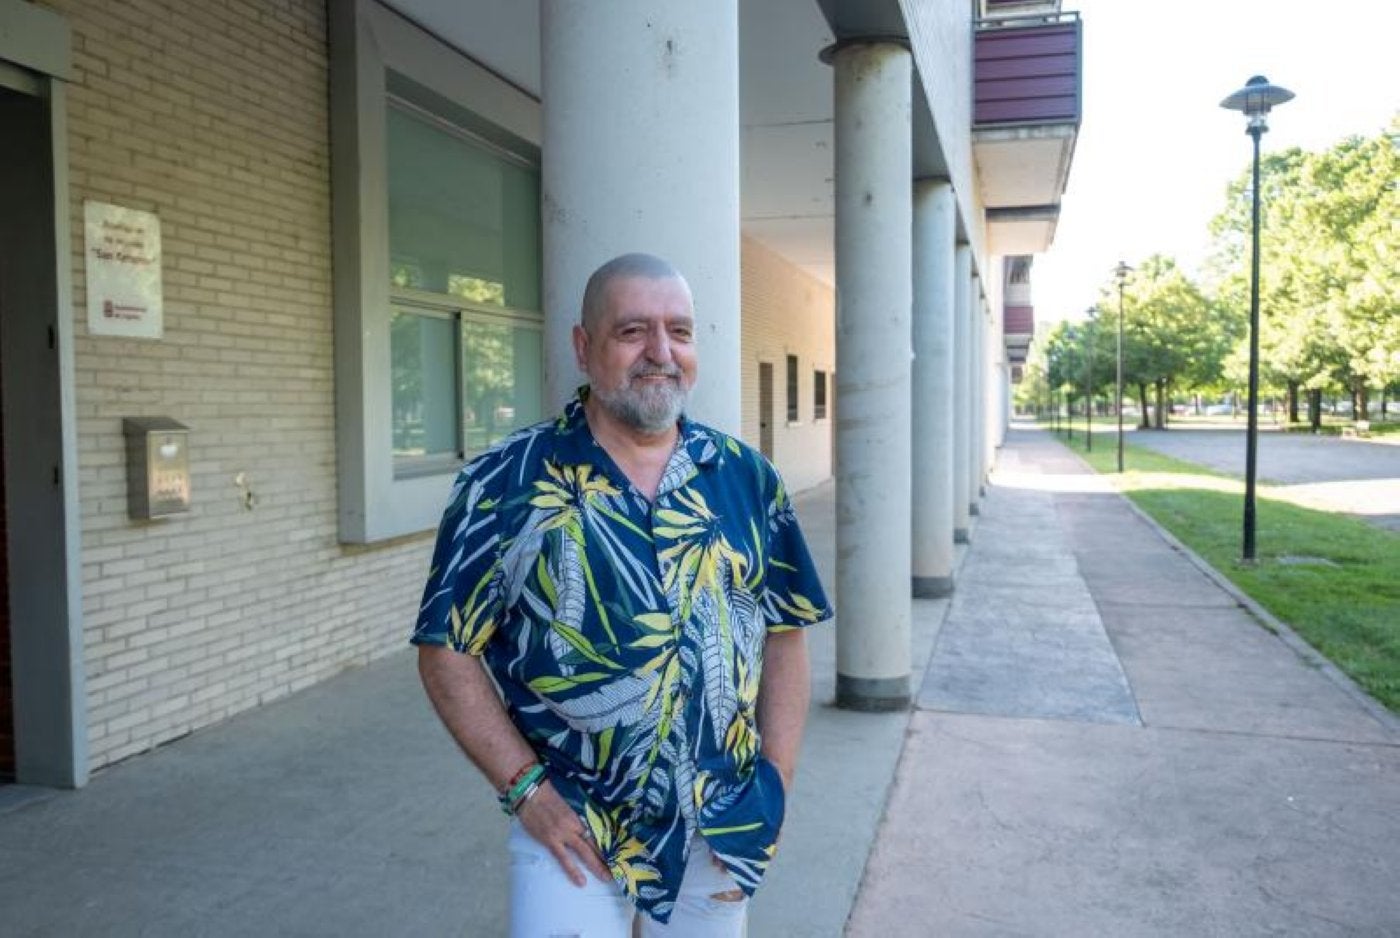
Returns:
(1330,246)
(1173,336)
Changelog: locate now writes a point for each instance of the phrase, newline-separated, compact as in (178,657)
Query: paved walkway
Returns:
(1105,744)
(346,811)
(1239,791)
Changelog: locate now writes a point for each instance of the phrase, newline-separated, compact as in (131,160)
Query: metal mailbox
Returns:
(157,467)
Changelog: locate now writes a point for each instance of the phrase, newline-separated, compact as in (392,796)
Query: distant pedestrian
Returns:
(636,585)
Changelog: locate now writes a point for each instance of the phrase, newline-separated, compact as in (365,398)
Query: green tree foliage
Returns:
(1330,244)
(1174,337)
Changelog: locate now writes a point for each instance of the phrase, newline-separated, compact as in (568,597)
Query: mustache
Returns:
(654,371)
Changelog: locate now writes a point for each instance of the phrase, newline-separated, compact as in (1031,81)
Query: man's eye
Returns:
(682,332)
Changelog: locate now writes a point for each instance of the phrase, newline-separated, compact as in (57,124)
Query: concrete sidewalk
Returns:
(346,810)
(1236,790)
(1104,744)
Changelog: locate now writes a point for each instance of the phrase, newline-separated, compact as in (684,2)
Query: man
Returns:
(636,585)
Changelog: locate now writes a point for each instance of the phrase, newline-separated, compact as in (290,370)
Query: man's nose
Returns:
(658,349)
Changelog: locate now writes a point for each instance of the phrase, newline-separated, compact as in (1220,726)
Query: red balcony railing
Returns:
(1027,70)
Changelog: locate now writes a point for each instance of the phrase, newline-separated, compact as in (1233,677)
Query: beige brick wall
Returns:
(788,312)
(213,115)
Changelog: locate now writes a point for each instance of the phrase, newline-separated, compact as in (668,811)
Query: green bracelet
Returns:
(522,789)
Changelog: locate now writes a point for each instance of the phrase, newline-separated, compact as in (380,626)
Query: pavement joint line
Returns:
(1282,630)
(1170,728)
(1256,734)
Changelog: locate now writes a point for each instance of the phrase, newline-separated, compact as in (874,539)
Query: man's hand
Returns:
(466,700)
(554,825)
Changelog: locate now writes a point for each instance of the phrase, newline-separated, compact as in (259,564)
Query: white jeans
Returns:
(544,904)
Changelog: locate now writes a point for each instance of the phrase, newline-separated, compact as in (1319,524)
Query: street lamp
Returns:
(1089,379)
(1254,100)
(1121,272)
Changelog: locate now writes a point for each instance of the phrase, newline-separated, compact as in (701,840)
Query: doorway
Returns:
(765,409)
(7,695)
(42,716)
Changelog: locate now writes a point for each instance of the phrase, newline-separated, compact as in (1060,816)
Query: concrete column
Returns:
(934,308)
(1006,402)
(984,462)
(989,393)
(976,406)
(641,153)
(962,391)
(874,218)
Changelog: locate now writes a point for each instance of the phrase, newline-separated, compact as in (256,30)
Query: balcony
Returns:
(1026,111)
(1018,313)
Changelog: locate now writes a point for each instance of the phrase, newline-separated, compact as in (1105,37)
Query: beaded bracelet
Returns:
(522,789)
(520,773)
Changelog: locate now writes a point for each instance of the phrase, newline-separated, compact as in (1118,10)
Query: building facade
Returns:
(338,247)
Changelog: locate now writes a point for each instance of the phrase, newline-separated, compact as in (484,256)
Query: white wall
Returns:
(788,312)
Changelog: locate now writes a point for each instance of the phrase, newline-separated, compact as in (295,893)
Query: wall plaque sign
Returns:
(123,271)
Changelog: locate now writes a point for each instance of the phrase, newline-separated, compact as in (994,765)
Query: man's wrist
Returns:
(526,786)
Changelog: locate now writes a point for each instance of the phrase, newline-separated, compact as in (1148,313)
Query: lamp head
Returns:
(1256,99)
(1121,272)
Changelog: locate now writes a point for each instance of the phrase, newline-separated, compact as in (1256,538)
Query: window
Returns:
(435,267)
(819,395)
(792,412)
(464,267)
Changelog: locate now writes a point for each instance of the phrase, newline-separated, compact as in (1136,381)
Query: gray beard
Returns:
(648,409)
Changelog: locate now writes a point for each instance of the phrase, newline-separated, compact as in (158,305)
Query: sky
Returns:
(1155,149)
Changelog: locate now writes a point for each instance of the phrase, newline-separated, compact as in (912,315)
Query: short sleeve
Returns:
(792,596)
(462,601)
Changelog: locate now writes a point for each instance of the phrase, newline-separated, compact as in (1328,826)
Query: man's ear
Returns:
(581,348)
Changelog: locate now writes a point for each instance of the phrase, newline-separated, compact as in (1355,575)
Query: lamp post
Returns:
(1254,100)
(1121,273)
(1089,380)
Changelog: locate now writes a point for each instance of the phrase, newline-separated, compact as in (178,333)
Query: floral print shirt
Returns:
(627,636)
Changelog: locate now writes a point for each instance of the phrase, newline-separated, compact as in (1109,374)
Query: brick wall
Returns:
(788,312)
(213,115)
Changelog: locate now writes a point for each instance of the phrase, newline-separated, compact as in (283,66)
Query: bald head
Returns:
(636,266)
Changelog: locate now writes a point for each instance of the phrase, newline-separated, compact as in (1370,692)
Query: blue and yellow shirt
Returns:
(627,636)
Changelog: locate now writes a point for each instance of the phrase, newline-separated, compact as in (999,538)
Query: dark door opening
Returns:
(765,409)
(7,695)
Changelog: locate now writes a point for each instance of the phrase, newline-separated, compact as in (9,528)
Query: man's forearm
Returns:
(466,702)
(784,692)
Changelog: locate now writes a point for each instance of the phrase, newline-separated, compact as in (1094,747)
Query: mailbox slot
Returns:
(157,467)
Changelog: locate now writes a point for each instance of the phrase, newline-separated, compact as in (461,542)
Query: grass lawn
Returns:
(1333,578)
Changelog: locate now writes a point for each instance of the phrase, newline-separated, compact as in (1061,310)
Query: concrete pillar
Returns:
(976,408)
(962,391)
(631,77)
(1004,423)
(991,396)
(874,218)
(984,399)
(935,214)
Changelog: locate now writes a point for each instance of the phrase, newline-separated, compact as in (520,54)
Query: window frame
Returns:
(426,303)
(375,52)
(819,394)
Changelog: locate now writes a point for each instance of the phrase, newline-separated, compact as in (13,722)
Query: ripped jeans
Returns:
(544,904)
